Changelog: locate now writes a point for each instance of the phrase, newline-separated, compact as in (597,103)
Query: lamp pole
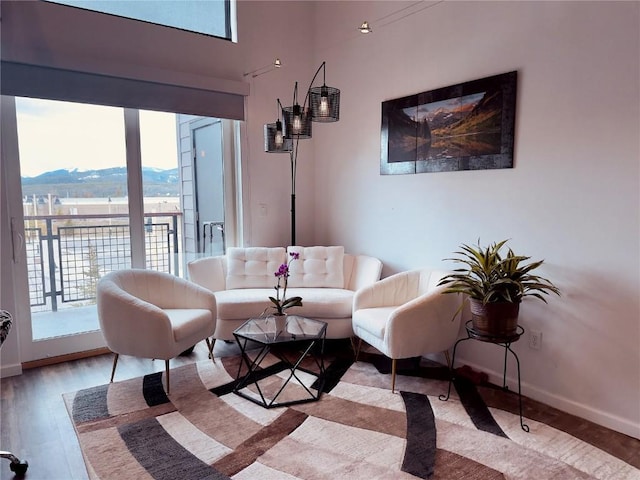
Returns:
(293,157)
(293,219)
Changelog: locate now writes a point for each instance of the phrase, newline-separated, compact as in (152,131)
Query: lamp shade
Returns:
(270,143)
(297,123)
(324,104)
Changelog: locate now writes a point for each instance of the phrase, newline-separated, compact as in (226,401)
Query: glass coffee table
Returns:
(287,367)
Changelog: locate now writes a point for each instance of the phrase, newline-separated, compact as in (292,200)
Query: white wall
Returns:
(571,198)
(270,30)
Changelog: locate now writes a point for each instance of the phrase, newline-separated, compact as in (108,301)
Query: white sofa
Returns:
(325,277)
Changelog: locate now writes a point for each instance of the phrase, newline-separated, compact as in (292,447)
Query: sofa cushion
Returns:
(319,267)
(317,302)
(242,303)
(322,302)
(253,267)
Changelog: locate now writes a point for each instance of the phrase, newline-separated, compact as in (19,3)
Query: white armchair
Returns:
(406,315)
(150,314)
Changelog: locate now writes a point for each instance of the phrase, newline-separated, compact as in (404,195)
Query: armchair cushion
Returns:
(187,322)
(317,267)
(374,320)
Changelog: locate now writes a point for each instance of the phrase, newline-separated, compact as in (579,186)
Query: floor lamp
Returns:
(321,104)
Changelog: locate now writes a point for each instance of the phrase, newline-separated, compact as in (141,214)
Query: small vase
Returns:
(281,322)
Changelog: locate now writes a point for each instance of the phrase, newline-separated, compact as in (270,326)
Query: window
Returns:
(210,17)
(93,202)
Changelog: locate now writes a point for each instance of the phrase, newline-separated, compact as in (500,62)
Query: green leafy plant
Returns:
(490,277)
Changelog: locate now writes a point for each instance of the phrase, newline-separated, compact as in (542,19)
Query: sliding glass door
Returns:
(95,189)
(71,158)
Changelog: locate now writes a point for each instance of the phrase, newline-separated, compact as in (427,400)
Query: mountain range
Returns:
(106,182)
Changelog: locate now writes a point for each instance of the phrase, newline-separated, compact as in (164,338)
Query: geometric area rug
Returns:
(357,430)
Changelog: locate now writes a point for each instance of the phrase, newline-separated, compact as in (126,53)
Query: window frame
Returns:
(229,22)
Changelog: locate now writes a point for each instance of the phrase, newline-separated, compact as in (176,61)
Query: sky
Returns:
(56,135)
(427,109)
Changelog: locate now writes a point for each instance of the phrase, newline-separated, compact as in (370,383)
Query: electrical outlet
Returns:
(535,339)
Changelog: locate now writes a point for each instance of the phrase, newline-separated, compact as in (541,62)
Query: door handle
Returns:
(16,246)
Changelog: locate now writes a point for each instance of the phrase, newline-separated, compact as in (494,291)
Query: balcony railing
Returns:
(67,254)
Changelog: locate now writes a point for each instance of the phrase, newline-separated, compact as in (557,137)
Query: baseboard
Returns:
(581,410)
(10,370)
(65,358)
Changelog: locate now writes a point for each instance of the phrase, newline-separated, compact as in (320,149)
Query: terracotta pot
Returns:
(496,319)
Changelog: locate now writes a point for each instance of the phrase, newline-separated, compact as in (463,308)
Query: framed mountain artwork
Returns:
(469,126)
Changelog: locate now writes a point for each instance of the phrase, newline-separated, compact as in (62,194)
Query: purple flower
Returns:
(294,255)
(283,271)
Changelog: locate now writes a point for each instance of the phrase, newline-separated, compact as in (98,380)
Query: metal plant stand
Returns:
(502,340)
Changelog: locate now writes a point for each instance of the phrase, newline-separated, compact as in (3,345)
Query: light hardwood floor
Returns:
(34,423)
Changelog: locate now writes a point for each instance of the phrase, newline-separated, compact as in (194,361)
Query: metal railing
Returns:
(67,254)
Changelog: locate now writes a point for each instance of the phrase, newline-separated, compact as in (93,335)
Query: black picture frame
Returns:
(468,126)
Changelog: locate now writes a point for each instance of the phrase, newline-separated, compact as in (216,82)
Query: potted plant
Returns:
(495,284)
(282,304)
